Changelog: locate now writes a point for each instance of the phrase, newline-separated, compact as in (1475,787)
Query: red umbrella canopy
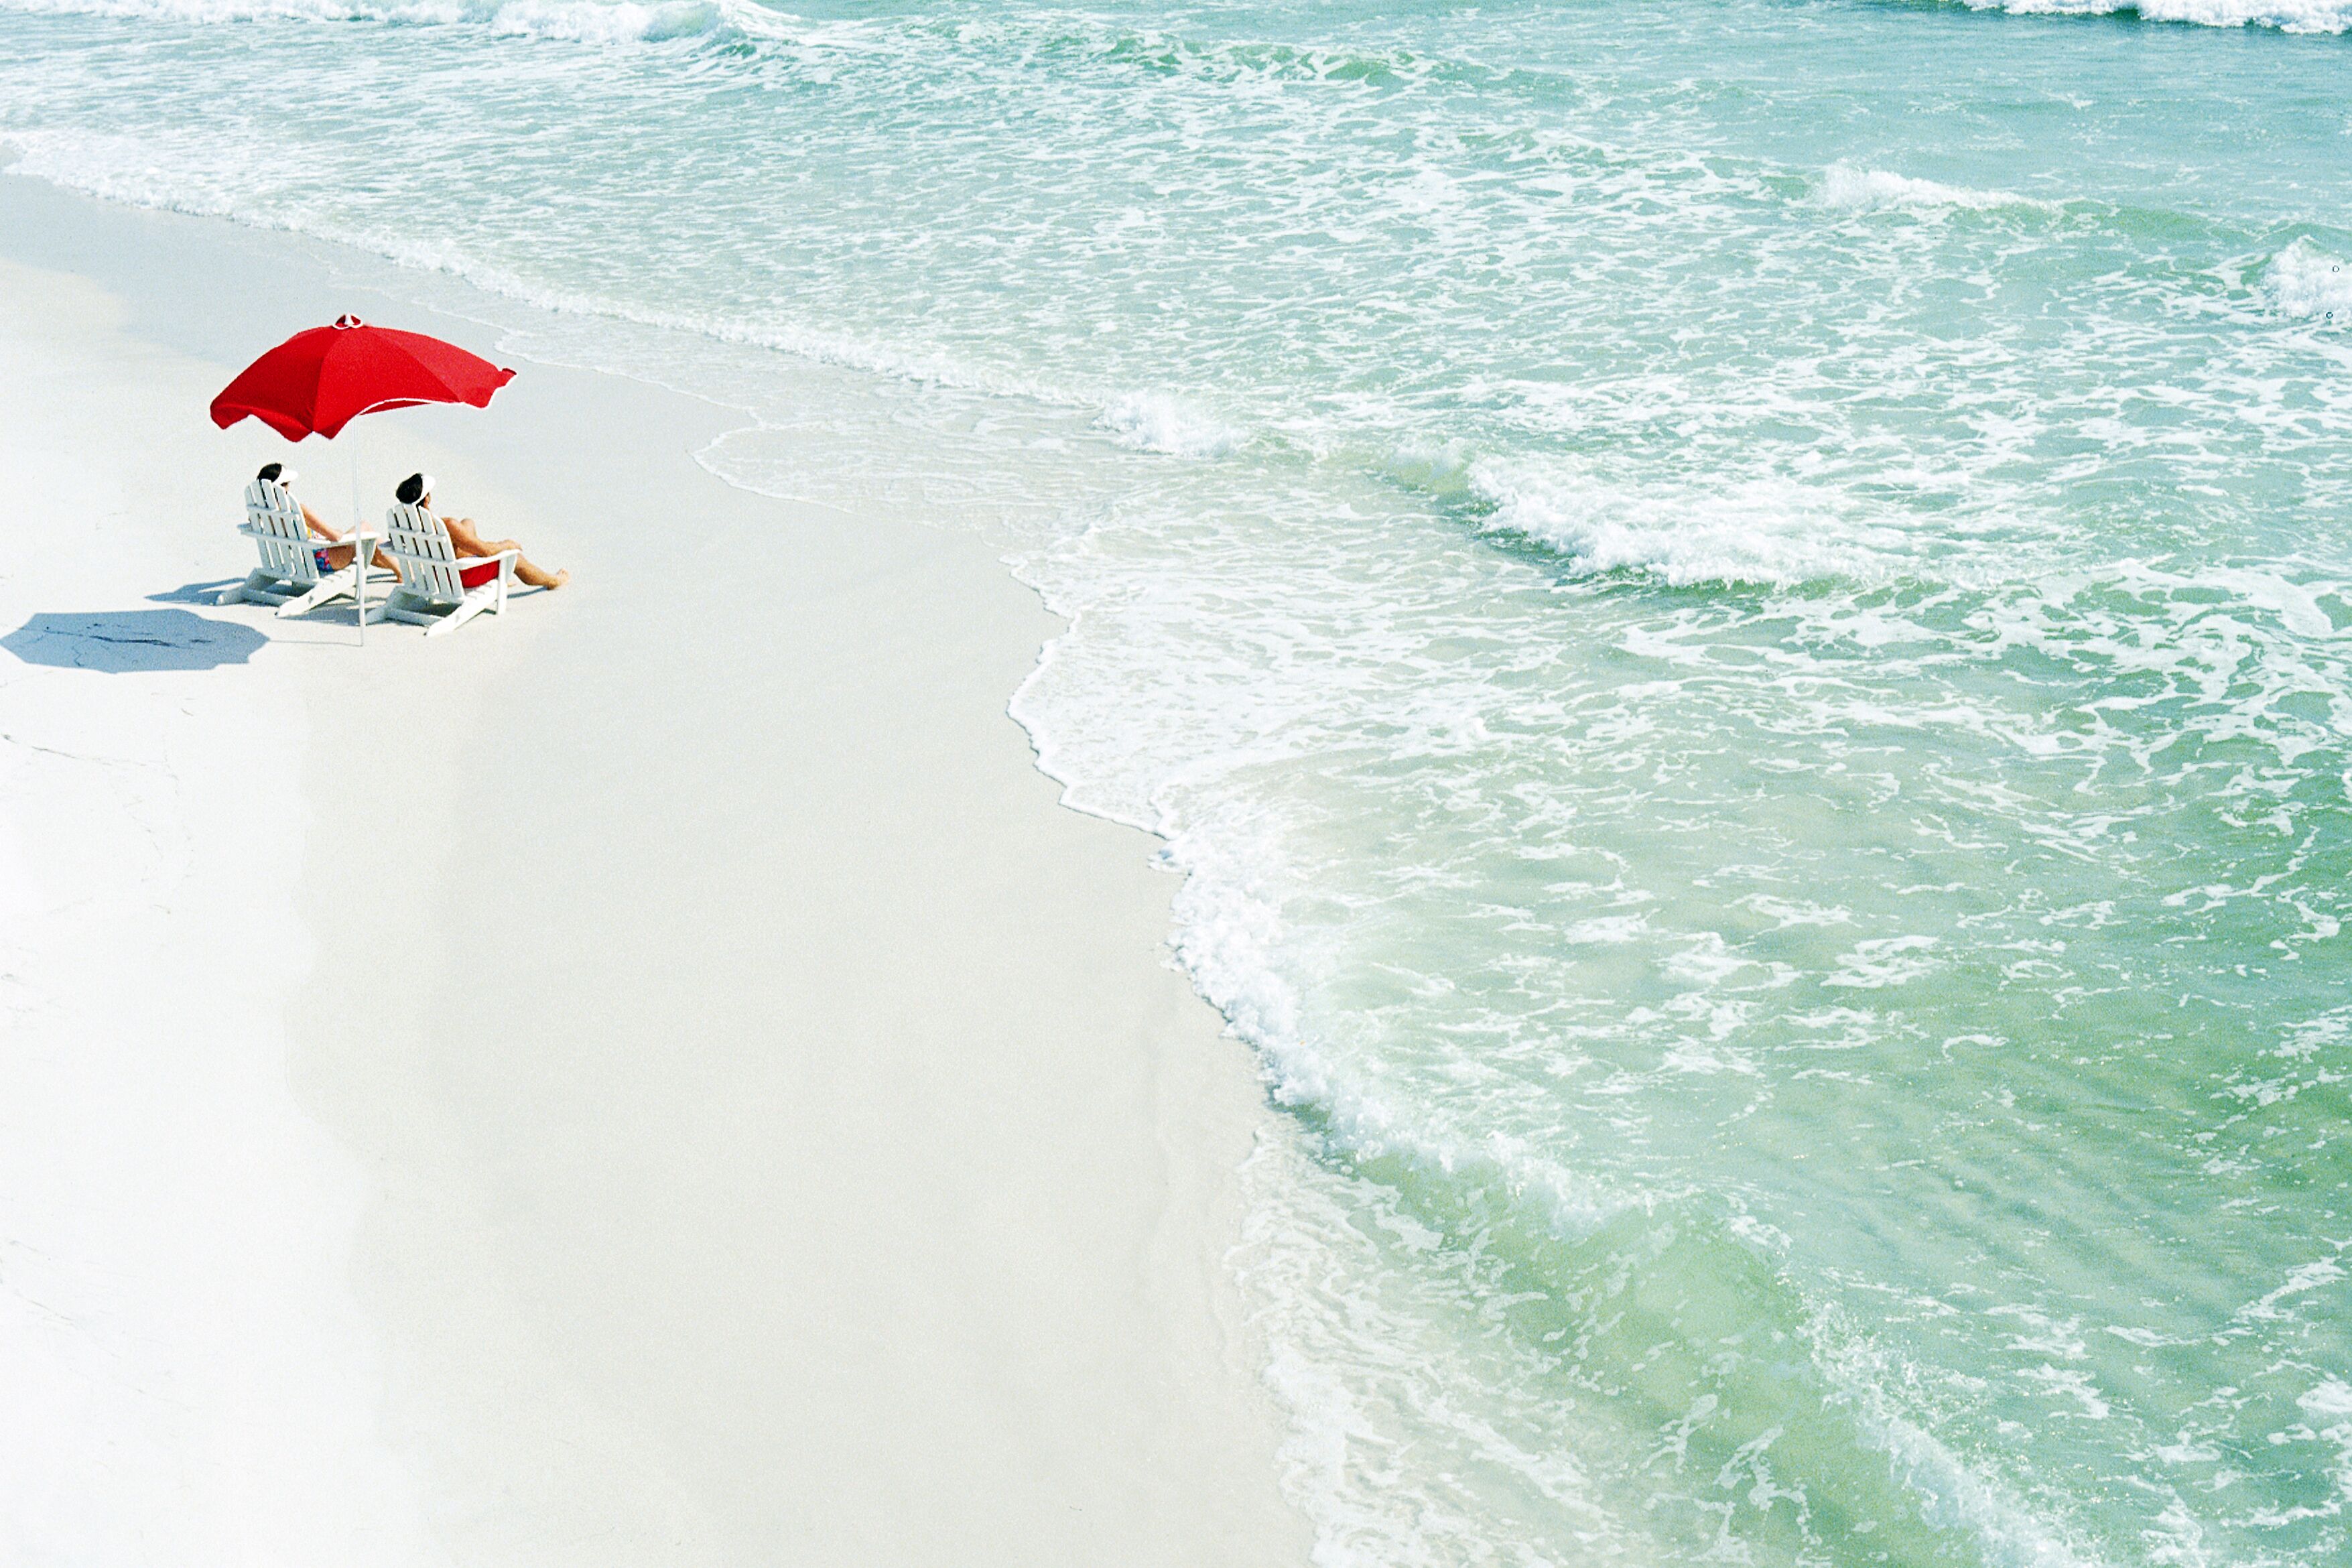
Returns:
(319,381)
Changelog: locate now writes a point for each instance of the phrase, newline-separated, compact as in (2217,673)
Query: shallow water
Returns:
(1736,615)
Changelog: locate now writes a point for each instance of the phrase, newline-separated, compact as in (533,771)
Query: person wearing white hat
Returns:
(339,556)
(417,489)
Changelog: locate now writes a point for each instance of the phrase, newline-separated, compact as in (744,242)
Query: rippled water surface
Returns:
(1736,614)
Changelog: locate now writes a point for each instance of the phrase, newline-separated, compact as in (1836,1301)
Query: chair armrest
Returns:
(315,541)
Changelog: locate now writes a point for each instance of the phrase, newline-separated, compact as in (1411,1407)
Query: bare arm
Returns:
(320,529)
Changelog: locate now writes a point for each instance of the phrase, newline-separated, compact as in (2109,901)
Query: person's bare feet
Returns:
(562,577)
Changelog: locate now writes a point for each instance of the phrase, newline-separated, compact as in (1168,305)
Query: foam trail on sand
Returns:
(141,171)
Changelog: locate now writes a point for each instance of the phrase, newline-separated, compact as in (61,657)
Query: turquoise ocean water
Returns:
(1738,615)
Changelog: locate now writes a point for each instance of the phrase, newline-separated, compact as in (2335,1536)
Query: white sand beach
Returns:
(654,1077)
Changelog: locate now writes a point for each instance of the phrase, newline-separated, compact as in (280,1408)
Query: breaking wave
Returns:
(579,21)
(2286,16)
(1846,186)
(1763,530)
(2305,281)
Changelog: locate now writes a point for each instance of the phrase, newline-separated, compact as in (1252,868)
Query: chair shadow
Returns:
(195,592)
(118,642)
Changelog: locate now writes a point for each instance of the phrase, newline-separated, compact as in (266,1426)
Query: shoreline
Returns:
(781,1133)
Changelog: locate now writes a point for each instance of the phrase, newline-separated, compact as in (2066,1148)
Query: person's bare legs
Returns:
(533,577)
(340,556)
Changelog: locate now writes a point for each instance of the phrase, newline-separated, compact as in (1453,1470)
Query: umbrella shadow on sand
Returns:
(120,641)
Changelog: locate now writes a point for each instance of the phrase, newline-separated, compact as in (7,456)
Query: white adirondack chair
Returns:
(440,589)
(288,575)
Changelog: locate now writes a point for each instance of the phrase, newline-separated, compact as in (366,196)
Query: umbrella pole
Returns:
(359,545)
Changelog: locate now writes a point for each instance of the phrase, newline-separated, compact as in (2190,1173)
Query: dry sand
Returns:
(654,1077)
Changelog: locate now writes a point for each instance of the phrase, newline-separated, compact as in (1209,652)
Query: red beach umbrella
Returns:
(319,381)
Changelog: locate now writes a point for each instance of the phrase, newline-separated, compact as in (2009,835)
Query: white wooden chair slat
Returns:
(432,592)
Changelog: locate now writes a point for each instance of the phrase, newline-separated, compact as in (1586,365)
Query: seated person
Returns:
(417,489)
(330,560)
